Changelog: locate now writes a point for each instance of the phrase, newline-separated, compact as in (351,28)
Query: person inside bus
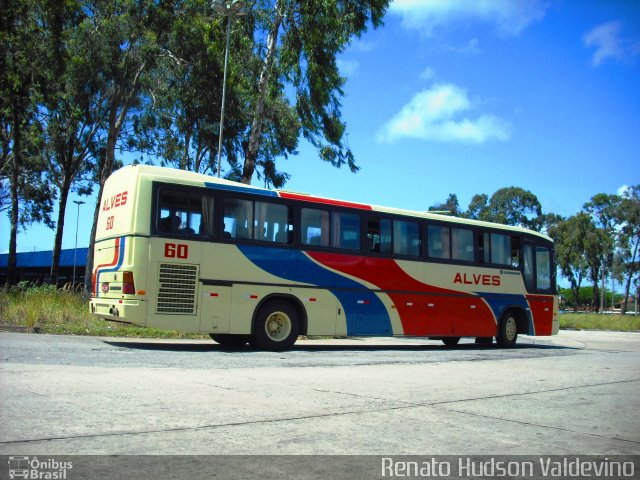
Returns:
(171,224)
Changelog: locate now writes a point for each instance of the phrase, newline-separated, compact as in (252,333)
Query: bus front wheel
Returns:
(507,330)
(276,326)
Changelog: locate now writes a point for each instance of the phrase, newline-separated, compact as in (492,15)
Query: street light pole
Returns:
(75,249)
(227,8)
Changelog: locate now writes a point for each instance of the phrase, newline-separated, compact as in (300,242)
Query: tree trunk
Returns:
(115,120)
(627,286)
(578,284)
(13,236)
(106,167)
(253,147)
(15,176)
(57,245)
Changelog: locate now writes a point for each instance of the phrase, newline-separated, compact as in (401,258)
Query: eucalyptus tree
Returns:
(283,84)
(510,206)
(180,121)
(572,242)
(124,38)
(71,108)
(629,240)
(23,58)
(298,43)
(604,209)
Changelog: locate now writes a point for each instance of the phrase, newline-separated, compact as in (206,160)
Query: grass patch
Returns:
(44,309)
(594,321)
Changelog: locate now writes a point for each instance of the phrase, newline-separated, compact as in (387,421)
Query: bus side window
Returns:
(438,241)
(500,249)
(314,227)
(543,268)
(379,235)
(462,244)
(406,238)
(273,223)
(528,267)
(345,231)
(238,218)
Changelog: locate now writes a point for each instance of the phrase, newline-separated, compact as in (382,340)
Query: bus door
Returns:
(539,279)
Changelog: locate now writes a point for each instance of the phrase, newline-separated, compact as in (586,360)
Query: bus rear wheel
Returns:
(507,330)
(276,326)
(230,340)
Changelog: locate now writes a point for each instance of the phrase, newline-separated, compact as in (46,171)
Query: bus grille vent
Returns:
(177,288)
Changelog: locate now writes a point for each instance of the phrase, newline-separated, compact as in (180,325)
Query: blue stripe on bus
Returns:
(113,268)
(364,311)
(239,189)
(500,301)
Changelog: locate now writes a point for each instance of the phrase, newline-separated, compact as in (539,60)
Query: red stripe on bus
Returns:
(449,314)
(326,201)
(116,254)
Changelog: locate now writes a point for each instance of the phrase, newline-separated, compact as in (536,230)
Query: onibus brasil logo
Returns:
(33,468)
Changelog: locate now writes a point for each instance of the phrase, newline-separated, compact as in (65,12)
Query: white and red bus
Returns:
(185,251)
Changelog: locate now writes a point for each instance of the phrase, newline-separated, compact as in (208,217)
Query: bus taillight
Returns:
(128,286)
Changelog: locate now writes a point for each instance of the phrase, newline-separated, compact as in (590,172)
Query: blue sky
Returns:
(466,97)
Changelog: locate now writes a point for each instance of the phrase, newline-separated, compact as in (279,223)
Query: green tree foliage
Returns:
(629,240)
(300,41)
(510,206)
(604,209)
(573,238)
(450,205)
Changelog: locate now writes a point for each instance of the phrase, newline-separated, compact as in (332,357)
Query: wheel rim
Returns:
(278,326)
(510,329)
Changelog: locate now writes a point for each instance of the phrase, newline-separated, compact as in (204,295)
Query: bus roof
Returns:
(172,175)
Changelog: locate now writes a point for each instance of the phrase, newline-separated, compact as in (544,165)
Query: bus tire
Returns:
(276,326)
(230,340)
(450,341)
(507,330)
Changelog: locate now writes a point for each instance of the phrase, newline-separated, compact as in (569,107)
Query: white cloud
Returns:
(509,16)
(436,115)
(609,44)
(622,191)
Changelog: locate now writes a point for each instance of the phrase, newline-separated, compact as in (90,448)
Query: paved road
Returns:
(577,393)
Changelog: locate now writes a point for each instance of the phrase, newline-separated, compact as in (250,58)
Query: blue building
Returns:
(36,266)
